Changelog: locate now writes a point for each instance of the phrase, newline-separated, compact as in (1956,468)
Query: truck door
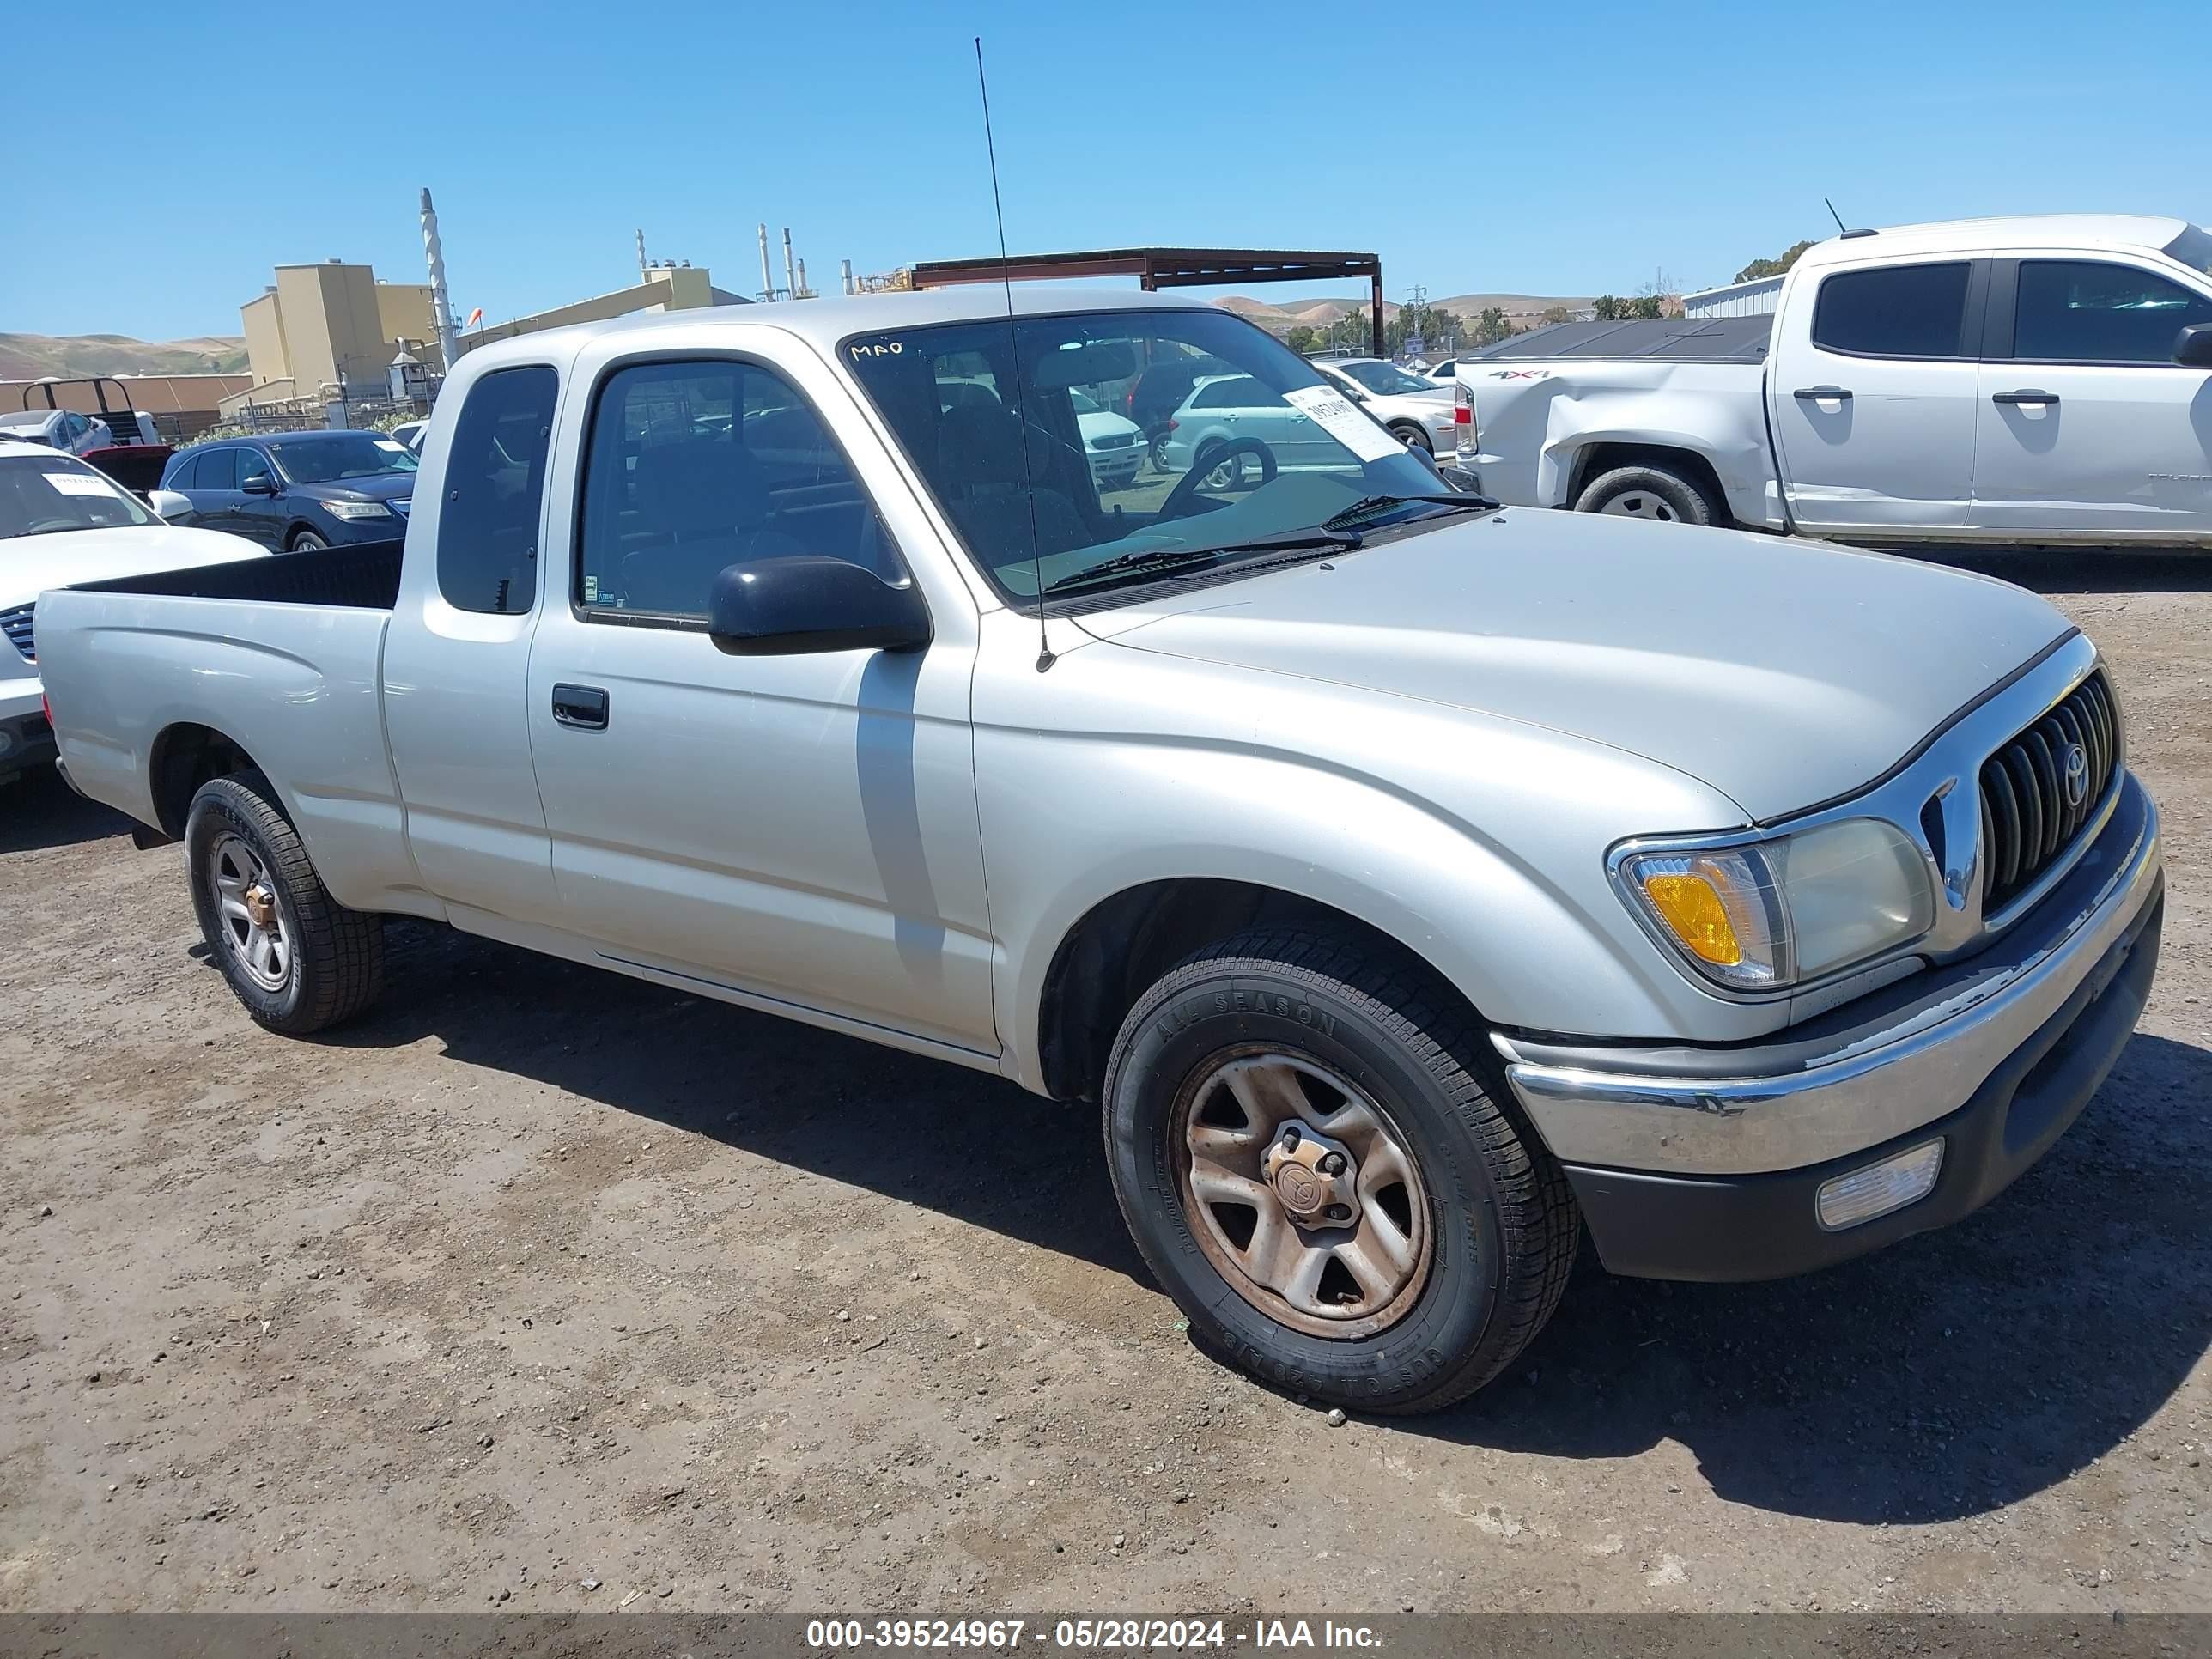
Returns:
(800,829)
(457,656)
(2089,428)
(1872,389)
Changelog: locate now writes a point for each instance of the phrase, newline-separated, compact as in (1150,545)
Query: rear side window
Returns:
(2082,311)
(1906,311)
(494,484)
(216,470)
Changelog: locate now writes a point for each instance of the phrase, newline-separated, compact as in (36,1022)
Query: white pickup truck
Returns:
(2046,381)
(1405,881)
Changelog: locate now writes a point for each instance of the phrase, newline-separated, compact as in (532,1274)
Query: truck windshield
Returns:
(44,495)
(1238,444)
(2193,247)
(337,457)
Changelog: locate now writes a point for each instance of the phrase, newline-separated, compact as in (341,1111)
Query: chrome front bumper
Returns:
(1871,1071)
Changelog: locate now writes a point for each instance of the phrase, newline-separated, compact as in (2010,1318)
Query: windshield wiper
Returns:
(1169,558)
(1368,505)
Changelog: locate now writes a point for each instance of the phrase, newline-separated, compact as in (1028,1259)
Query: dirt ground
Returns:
(543,1289)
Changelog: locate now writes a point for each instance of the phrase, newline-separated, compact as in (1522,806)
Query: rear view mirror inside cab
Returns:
(1085,363)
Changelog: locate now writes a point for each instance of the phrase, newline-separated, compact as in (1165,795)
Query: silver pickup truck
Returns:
(1409,883)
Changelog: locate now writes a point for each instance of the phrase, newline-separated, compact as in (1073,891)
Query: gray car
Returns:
(1408,885)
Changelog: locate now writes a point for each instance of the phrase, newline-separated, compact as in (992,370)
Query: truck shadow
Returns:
(38,810)
(2081,570)
(1946,1377)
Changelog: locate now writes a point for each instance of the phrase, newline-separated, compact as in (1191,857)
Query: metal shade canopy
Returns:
(1168,267)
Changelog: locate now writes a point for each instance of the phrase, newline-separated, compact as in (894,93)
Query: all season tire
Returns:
(1458,1231)
(298,959)
(307,542)
(1648,492)
(1412,437)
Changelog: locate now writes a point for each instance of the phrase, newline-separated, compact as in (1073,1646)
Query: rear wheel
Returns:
(1305,1149)
(1650,493)
(297,958)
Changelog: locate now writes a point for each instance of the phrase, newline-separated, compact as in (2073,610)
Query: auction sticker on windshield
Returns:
(1334,416)
(78,483)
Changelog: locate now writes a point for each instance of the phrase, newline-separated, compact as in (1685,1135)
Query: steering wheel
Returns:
(1177,504)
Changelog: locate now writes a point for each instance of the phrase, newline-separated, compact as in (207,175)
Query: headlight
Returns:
(358,509)
(1771,914)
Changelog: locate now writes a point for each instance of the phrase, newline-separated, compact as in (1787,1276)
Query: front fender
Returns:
(1479,846)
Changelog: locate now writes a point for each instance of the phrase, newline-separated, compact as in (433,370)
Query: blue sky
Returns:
(1566,150)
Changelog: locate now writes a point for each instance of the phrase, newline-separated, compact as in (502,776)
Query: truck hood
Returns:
(1782,673)
(30,565)
(386,487)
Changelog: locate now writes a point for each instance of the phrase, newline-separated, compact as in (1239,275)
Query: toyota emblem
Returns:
(2077,773)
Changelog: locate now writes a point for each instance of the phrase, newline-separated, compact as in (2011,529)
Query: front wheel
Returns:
(307,542)
(1303,1147)
(1412,437)
(297,958)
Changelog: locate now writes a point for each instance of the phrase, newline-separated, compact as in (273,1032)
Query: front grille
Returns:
(17,625)
(1116,440)
(2036,796)
(403,507)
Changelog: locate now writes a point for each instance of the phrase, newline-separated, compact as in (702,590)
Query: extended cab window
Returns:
(1905,311)
(494,480)
(696,466)
(2080,311)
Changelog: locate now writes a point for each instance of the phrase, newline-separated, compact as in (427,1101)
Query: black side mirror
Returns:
(257,483)
(2192,347)
(787,607)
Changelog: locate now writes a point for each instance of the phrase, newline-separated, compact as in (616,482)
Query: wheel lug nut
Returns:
(1290,1139)
(1339,1212)
(1332,1164)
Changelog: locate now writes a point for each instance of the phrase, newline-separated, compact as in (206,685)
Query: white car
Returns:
(1418,412)
(56,428)
(61,522)
(1114,445)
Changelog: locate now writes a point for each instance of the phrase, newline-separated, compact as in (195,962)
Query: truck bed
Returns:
(1669,339)
(281,657)
(364,576)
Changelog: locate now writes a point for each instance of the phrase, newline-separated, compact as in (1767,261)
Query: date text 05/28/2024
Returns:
(1083,1635)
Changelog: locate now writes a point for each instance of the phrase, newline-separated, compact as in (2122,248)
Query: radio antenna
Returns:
(1837,217)
(1045,658)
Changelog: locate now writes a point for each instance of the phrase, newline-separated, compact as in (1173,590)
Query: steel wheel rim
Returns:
(250,912)
(1330,1278)
(1638,504)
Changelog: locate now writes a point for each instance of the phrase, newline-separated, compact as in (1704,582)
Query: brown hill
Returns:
(30,356)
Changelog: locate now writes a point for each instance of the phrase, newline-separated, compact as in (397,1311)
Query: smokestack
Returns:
(441,310)
(768,276)
(790,277)
(641,266)
(846,266)
(801,289)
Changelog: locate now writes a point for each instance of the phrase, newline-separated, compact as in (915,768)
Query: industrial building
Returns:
(1757,297)
(317,327)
